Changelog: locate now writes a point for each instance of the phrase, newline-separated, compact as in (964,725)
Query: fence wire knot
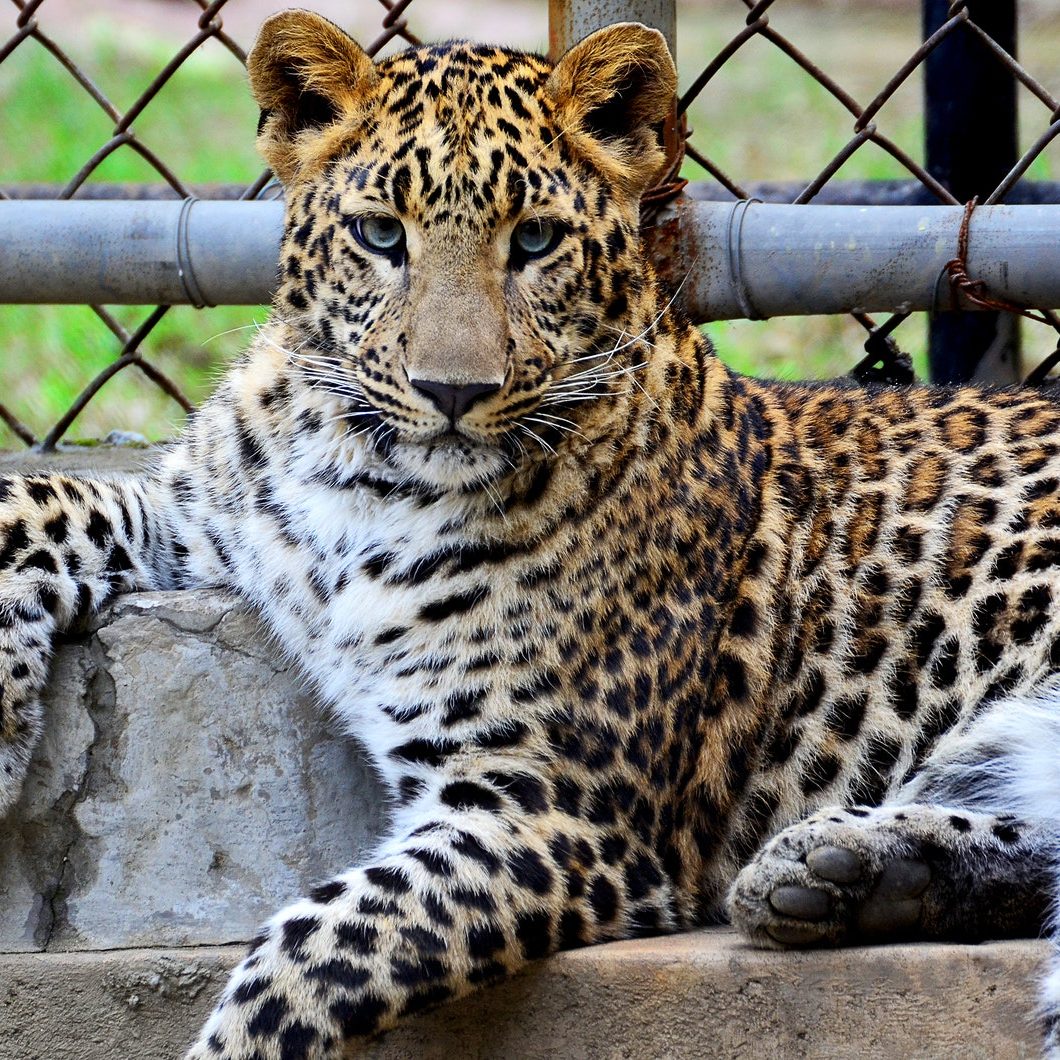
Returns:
(885,361)
(975,290)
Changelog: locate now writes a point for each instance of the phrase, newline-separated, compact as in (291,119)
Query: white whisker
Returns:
(537,438)
(231,331)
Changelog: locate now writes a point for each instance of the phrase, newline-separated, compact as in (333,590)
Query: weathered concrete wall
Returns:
(185,789)
(695,996)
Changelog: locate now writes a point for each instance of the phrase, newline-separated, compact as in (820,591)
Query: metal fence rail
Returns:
(764,259)
(742,260)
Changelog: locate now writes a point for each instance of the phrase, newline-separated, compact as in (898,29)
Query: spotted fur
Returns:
(607,616)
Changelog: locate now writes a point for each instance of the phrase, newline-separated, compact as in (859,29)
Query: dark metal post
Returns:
(970,128)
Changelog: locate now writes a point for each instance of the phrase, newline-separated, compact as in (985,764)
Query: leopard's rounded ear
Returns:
(613,93)
(305,73)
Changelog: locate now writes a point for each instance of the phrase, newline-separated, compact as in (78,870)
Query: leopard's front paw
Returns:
(20,725)
(835,878)
(275,1007)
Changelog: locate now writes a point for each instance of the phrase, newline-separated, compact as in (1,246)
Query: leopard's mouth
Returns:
(452,457)
(448,460)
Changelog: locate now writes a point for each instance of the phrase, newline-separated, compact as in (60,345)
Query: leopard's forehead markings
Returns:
(449,123)
(468,72)
(466,91)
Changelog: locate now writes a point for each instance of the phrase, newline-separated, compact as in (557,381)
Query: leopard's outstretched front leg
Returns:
(469,896)
(460,903)
(66,547)
(847,876)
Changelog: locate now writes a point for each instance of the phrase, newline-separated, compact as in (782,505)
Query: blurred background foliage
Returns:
(762,118)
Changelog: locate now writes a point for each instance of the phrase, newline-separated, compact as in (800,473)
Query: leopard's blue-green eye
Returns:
(380,233)
(532,239)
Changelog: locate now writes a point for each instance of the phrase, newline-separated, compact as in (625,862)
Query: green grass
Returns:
(762,118)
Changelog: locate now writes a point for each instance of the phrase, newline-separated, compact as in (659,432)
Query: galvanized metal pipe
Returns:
(139,253)
(879,192)
(730,260)
(755,260)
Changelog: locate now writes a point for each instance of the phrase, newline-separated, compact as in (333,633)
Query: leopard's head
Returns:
(461,265)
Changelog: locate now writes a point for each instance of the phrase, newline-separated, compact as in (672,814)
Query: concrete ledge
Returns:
(691,996)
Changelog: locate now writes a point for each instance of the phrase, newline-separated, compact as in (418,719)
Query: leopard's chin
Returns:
(449,462)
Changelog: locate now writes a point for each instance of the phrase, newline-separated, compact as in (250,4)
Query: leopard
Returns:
(636,643)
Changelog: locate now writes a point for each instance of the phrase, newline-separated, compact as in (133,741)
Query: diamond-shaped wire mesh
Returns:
(858,133)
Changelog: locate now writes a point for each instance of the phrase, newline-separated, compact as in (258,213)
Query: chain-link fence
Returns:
(966,73)
(131,344)
(800,102)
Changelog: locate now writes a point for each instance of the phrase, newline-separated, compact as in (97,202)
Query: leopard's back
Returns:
(906,570)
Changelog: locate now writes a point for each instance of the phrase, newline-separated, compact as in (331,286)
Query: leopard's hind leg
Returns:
(968,849)
(1009,756)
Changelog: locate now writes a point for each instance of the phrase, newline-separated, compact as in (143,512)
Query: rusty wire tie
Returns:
(975,291)
(670,183)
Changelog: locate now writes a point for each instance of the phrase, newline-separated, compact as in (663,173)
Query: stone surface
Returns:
(97,461)
(185,788)
(695,996)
